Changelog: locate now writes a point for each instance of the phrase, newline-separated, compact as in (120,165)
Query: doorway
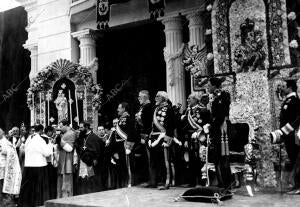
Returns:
(130,59)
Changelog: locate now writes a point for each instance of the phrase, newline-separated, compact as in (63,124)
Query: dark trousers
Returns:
(291,148)
(157,165)
(297,170)
(223,172)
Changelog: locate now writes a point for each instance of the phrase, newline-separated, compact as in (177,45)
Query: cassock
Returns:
(90,152)
(193,121)
(219,148)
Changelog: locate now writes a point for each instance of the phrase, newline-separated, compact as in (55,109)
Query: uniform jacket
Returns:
(144,119)
(220,107)
(165,116)
(194,119)
(290,110)
(126,126)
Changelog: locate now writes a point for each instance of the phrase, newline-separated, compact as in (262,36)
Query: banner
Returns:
(156,8)
(103,14)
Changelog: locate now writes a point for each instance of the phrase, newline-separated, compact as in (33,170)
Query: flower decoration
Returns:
(210,56)
(292,16)
(294,44)
(208,32)
(97,90)
(209,7)
(45,78)
(30,100)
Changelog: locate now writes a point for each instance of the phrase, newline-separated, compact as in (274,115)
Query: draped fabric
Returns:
(156,8)
(103,13)
(13,175)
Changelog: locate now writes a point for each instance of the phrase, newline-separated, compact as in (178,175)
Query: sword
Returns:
(129,170)
(206,161)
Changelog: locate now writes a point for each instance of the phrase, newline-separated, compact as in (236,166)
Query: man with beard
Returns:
(218,133)
(195,117)
(161,138)
(143,122)
(89,148)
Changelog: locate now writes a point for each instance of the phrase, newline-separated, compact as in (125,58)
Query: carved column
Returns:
(173,57)
(196,32)
(87,45)
(33,48)
(196,28)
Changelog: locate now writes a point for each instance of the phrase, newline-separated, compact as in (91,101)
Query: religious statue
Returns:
(250,53)
(61,104)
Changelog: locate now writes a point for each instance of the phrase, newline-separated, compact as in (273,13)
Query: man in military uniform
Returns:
(122,145)
(219,149)
(143,120)
(161,137)
(195,117)
(289,122)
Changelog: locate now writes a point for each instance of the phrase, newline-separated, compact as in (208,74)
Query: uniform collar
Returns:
(194,107)
(163,104)
(146,102)
(125,113)
(291,94)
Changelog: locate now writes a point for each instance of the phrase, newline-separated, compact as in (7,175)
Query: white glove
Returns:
(128,151)
(162,135)
(194,135)
(206,128)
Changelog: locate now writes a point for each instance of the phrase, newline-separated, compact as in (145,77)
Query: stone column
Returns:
(173,57)
(196,32)
(33,48)
(196,28)
(87,45)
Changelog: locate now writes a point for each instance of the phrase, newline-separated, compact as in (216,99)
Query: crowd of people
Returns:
(161,146)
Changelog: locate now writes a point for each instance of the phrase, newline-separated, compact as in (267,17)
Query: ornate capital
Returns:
(195,19)
(32,47)
(173,23)
(84,34)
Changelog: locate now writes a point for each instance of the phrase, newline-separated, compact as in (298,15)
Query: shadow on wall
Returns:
(14,68)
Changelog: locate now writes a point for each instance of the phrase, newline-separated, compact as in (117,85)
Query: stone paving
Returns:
(143,197)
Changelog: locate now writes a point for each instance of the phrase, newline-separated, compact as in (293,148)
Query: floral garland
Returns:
(97,90)
(42,82)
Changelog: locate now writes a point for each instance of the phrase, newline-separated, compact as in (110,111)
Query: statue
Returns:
(250,53)
(61,104)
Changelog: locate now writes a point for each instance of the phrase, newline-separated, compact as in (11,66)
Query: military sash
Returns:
(160,127)
(121,133)
(192,122)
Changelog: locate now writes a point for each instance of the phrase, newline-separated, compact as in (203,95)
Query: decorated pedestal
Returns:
(64,91)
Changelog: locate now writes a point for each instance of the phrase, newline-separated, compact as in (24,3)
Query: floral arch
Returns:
(81,93)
